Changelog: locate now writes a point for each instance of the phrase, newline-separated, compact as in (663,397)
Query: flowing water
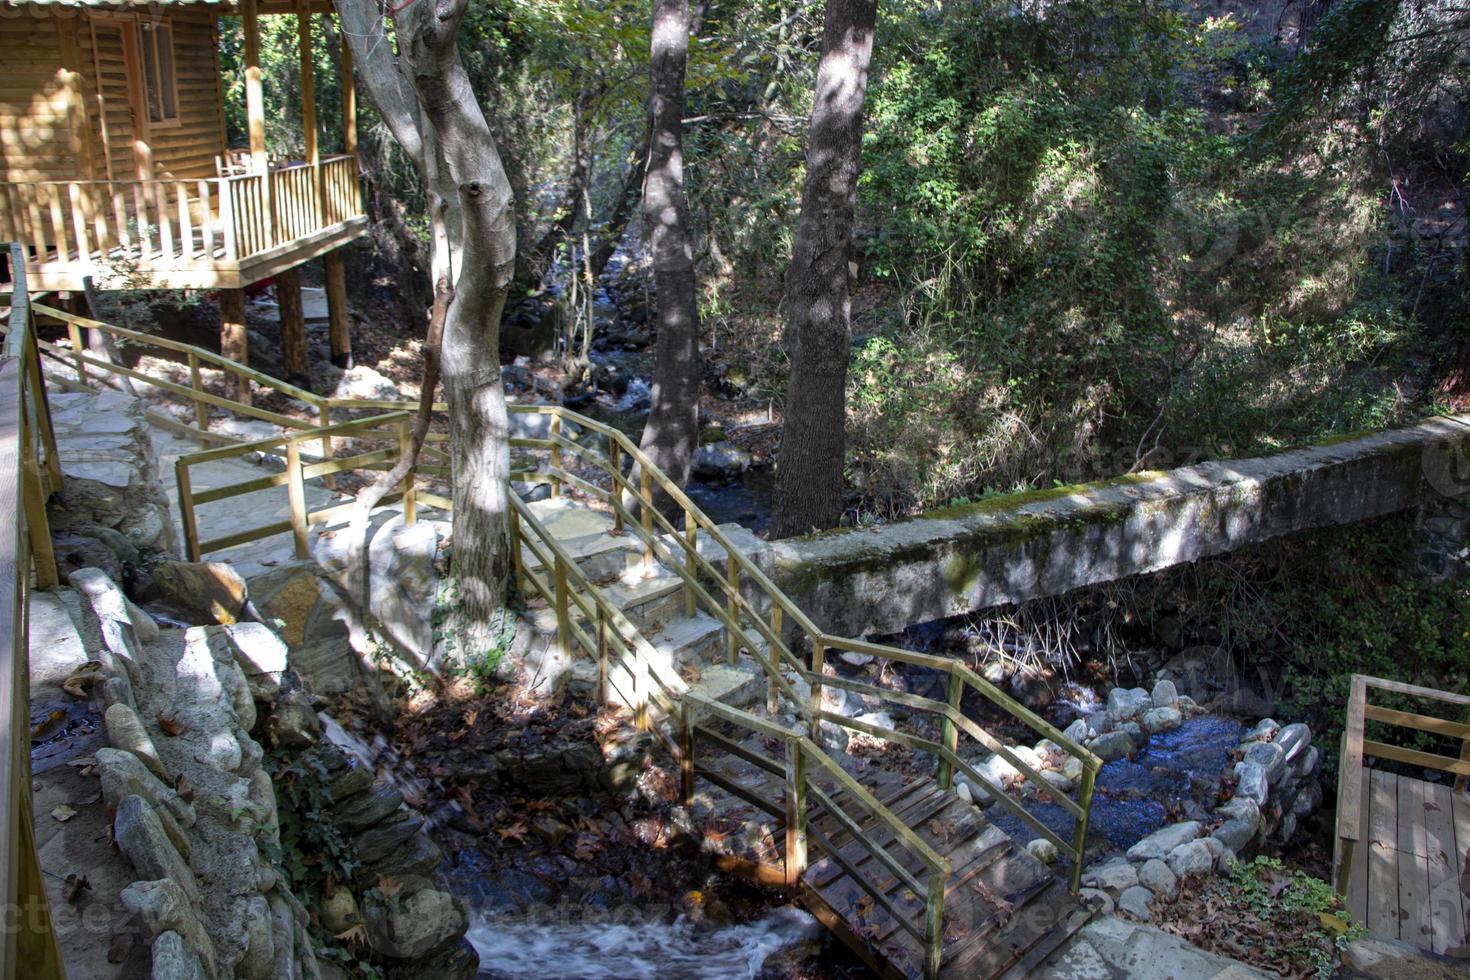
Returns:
(517,947)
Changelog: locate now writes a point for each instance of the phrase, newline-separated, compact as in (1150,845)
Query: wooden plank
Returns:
(1413,757)
(1383,868)
(1423,723)
(1446,903)
(1356,866)
(1413,908)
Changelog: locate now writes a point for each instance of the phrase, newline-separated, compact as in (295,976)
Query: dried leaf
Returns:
(356,935)
(74,885)
(515,832)
(389,886)
(167,725)
(63,813)
(51,720)
(184,788)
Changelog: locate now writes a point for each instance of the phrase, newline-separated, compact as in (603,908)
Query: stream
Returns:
(516,948)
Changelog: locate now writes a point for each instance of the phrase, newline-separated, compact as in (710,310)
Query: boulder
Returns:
(410,926)
(126,731)
(1264,731)
(1164,719)
(1113,745)
(1042,850)
(260,655)
(1270,757)
(1135,731)
(1191,858)
(1157,878)
(174,960)
(1165,694)
(1098,899)
(1234,834)
(164,908)
(367,810)
(1294,739)
(208,590)
(1124,704)
(720,461)
(1159,843)
(293,722)
(124,775)
(1309,799)
(1135,902)
(142,838)
(1113,875)
(1251,782)
(1077,731)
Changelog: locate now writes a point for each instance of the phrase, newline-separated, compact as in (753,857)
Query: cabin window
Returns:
(159,83)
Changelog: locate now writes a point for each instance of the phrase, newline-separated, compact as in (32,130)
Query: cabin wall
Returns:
(37,138)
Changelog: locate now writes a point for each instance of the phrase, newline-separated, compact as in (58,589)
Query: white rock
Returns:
(1113,875)
(1125,704)
(1159,843)
(1164,719)
(1042,850)
(1165,694)
(1097,898)
(1157,878)
(1135,902)
(1190,859)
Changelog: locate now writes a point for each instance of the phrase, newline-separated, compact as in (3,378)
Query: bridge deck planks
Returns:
(1001,903)
(1407,884)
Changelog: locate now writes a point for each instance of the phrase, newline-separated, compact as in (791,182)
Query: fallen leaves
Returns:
(75,884)
(79,682)
(169,726)
(516,832)
(183,787)
(47,723)
(353,936)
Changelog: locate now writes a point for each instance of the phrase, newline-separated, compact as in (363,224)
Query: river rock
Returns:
(1190,858)
(721,461)
(174,960)
(259,653)
(1293,739)
(207,589)
(124,775)
(1097,898)
(1159,843)
(1269,756)
(1165,694)
(1308,799)
(1234,834)
(1264,731)
(163,907)
(1077,731)
(1135,731)
(410,926)
(1164,719)
(1113,875)
(1157,878)
(380,843)
(1251,782)
(999,771)
(1042,850)
(1125,704)
(418,856)
(1135,902)
(367,810)
(142,838)
(294,723)
(338,910)
(126,731)
(1113,745)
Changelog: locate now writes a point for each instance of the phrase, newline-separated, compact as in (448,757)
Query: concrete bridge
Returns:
(861,581)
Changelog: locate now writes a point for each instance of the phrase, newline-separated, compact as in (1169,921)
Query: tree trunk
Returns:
(809,473)
(425,99)
(673,421)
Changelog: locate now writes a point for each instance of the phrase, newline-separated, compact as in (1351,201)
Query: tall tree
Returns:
(673,421)
(818,302)
(421,90)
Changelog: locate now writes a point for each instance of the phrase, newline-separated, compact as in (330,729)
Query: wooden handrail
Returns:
(28,945)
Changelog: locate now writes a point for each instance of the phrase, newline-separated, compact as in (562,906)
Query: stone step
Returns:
(585,534)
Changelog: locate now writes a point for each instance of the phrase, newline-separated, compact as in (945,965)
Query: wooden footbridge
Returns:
(916,880)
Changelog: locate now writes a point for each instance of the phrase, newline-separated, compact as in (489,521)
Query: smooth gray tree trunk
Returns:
(423,94)
(809,472)
(672,430)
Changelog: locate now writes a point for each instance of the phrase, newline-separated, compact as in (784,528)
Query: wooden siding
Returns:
(36,136)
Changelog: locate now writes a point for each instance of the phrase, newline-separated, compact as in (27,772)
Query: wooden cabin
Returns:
(117,167)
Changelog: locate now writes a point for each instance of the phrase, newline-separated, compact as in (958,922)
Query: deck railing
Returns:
(29,472)
(1356,748)
(164,224)
(716,578)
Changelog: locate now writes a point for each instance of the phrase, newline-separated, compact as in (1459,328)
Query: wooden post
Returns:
(201,410)
(686,754)
(934,924)
(518,560)
(732,593)
(410,498)
(296,493)
(308,108)
(795,813)
(293,329)
(645,512)
(819,663)
(1079,835)
(949,732)
(75,332)
(33,500)
(691,548)
(555,455)
(615,465)
(324,420)
(255,109)
(232,337)
(349,94)
(339,327)
(186,510)
(602,652)
(563,614)
(771,700)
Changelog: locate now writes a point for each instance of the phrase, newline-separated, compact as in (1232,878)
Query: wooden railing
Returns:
(29,472)
(1356,748)
(758,618)
(178,223)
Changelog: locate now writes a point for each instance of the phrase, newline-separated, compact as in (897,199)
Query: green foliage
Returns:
(1314,921)
(313,851)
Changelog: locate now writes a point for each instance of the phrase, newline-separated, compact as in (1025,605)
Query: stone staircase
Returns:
(693,647)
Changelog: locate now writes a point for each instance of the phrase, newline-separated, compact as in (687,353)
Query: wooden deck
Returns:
(1409,883)
(1403,843)
(1004,909)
